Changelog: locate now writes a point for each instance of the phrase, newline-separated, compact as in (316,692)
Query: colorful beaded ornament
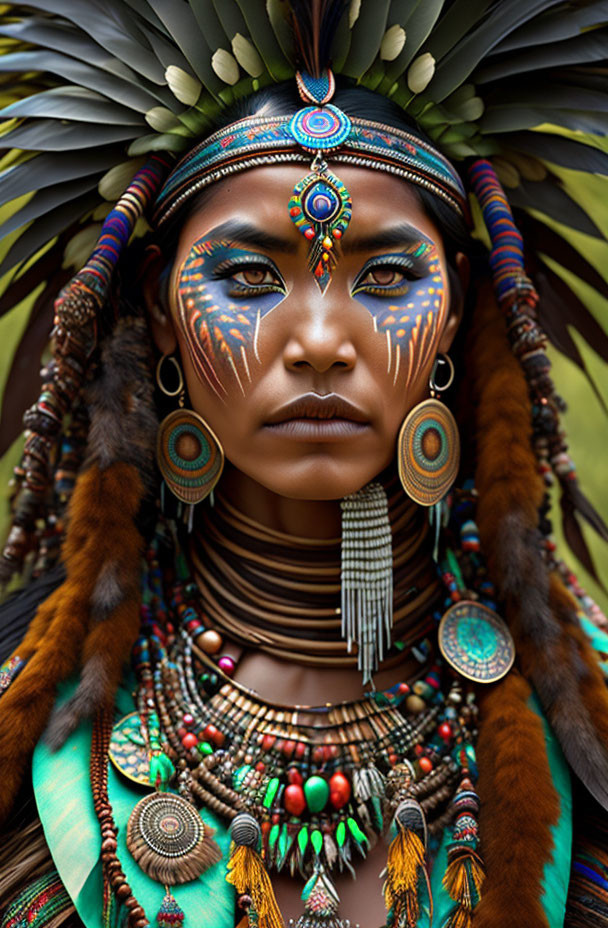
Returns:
(320,205)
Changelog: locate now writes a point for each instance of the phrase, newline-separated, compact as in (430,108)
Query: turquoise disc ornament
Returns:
(320,128)
(476,642)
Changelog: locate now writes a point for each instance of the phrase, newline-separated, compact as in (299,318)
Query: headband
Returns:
(320,205)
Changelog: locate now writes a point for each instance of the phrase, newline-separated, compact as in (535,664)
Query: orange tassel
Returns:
(247,873)
(463,880)
(405,863)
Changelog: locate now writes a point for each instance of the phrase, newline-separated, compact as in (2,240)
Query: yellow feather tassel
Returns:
(247,873)
(463,880)
(404,865)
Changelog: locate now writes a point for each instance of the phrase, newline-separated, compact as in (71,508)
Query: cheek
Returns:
(410,325)
(221,332)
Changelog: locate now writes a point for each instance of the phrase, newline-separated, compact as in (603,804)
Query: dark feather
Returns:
(559,308)
(541,238)
(557,149)
(46,228)
(552,200)
(48,169)
(27,281)
(314,24)
(592,46)
(18,611)
(575,538)
(51,135)
(555,27)
(73,103)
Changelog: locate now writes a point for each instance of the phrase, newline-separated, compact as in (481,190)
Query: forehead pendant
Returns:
(320,205)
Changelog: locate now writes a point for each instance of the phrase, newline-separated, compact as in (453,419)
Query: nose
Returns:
(320,339)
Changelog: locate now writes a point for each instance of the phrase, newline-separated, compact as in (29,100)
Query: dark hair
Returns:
(283,100)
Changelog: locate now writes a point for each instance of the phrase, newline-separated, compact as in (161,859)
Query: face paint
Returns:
(223,293)
(408,311)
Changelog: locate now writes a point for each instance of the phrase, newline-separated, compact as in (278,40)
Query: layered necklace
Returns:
(305,789)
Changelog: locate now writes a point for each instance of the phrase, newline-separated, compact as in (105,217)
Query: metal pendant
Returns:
(476,642)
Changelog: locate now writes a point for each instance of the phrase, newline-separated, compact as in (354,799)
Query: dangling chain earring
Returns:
(189,454)
(367,576)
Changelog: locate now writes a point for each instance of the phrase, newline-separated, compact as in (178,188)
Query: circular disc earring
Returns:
(428,447)
(189,453)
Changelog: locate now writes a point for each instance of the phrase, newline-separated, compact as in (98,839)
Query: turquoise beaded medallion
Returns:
(476,642)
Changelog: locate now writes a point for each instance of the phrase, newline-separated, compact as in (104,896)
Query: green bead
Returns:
(316,839)
(316,790)
(303,839)
(204,748)
(271,791)
(356,832)
(341,834)
(273,836)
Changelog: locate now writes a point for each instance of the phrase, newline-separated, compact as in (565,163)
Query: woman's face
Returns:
(306,391)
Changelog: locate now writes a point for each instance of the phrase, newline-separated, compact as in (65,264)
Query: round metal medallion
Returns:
(167,824)
(476,642)
(128,750)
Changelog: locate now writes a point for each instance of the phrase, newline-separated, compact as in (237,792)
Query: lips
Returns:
(313,417)
(316,407)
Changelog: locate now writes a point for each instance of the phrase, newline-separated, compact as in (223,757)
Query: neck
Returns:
(304,518)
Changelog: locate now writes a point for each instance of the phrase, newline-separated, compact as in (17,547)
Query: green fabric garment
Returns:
(65,805)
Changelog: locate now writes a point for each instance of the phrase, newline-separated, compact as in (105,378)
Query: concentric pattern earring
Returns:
(320,205)
(189,454)
(367,576)
(429,444)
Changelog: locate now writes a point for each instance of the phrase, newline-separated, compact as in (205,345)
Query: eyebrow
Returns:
(246,233)
(402,234)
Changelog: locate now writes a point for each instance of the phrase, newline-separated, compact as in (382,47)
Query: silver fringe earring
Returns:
(367,576)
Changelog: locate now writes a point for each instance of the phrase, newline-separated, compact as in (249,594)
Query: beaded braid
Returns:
(78,311)
(518,299)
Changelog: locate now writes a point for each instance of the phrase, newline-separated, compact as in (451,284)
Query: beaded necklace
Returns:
(305,789)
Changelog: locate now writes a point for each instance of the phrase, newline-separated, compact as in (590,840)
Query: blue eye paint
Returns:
(220,315)
(409,313)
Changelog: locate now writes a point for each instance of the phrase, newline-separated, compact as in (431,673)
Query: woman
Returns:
(318,666)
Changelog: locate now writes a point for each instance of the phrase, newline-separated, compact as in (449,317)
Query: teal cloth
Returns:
(63,795)
(65,805)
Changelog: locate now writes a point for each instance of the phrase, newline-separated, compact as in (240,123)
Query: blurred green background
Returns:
(586,422)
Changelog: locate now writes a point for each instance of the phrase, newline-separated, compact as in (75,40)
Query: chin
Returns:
(320,477)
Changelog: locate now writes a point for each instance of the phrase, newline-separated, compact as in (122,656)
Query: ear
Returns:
(459,282)
(154,278)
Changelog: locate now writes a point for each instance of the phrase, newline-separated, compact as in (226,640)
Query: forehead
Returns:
(260,197)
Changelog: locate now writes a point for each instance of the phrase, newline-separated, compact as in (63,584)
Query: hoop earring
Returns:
(428,447)
(189,454)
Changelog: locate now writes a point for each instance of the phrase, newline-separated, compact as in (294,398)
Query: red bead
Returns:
(288,748)
(294,776)
(211,733)
(339,790)
(181,731)
(426,764)
(189,740)
(392,759)
(309,233)
(445,731)
(404,688)
(318,754)
(337,233)
(295,211)
(300,749)
(260,766)
(294,799)
(268,741)
(418,750)
(188,719)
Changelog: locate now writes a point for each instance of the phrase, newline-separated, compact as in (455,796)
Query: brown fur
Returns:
(519,804)
(102,511)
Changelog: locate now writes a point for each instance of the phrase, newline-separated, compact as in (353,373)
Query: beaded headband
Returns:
(320,205)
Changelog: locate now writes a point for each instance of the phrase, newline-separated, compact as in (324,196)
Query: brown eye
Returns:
(384,276)
(255,277)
